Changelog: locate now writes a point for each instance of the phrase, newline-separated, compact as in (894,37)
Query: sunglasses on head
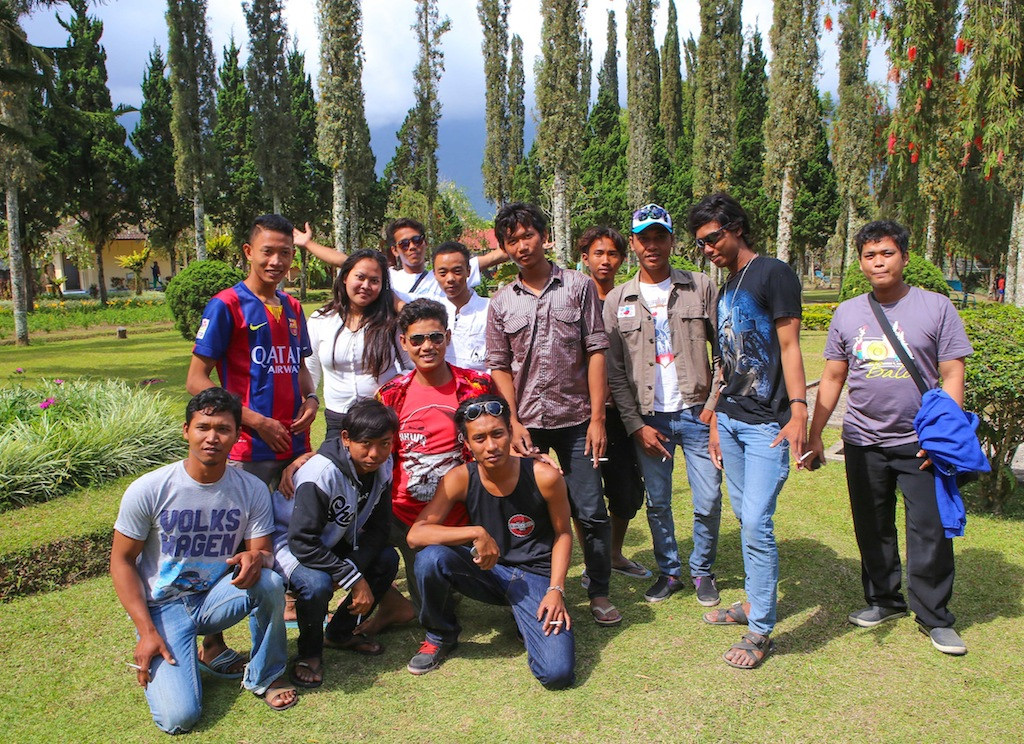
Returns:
(650,212)
(712,238)
(490,407)
(417,339)
(403,245)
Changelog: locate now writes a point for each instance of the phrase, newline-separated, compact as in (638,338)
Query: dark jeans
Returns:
(623,484)
(872,475)
(585,498)
(313,590)
(442,570)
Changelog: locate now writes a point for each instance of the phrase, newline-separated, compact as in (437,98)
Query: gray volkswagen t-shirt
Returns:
(190,528)
(883,398)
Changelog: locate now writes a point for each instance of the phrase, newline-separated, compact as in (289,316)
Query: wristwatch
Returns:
(313,396)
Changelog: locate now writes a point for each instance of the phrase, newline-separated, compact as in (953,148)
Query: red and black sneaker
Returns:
(430,656)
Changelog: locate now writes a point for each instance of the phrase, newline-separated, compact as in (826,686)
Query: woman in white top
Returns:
(353,337)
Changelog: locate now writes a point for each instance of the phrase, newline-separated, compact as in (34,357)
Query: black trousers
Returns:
(872,475)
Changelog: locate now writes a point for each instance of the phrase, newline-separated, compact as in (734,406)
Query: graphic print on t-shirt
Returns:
(186,537)
(877,357)
(427,439)
(745,334)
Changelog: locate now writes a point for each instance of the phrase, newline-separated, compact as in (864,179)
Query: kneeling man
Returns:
(519,530)
(177,570)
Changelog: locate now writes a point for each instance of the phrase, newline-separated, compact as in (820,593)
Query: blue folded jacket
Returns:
(949,435)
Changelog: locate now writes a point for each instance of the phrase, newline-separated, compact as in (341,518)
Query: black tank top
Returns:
(519,523)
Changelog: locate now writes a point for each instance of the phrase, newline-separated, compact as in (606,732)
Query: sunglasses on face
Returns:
(712,238)
(650,212)
(403,245)
(490,407)
(417,339)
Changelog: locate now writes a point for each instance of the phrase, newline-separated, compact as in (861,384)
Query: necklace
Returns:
(727,323)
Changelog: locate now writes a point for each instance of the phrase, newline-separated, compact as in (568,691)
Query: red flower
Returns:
(873,13)
(828,22)
(928,84)
(914,156)
(892,144)
(978,142)
(911,146)
(912,53)
(999,158)
(961,45)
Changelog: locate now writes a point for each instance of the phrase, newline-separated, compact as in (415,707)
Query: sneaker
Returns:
(429,657)
(871,616)
(707,591)
(663,588)
(585,580)
(947,640)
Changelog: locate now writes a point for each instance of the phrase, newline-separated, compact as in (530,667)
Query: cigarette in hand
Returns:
(602,459)
(556,622)
(136,667)
(805,455)
(665,458)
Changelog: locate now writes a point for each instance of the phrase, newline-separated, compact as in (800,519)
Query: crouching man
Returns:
(519,530)
(177,570)
(334,534)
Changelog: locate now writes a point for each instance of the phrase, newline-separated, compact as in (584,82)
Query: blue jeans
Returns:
(313,590)
(175,691)
(586,499)
(685,430)
(441,569)
(755,473)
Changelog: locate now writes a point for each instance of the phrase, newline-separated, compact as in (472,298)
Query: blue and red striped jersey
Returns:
(258,359)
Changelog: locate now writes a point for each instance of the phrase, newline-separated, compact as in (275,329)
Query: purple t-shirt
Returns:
(883,398)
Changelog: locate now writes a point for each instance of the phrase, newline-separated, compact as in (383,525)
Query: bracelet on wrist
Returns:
(313,396)
(797,400)
(558,589)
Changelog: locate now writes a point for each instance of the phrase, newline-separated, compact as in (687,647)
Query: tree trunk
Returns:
(354,225)
(199,219)
(850,255)
(1010,286)
(101,279)
(785,232)
(931,240)
(338,208)
(17,266)
(29,276)
(277,203)
(560,218)
(1017,249)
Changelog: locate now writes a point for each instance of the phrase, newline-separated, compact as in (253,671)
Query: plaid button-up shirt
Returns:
(544,341)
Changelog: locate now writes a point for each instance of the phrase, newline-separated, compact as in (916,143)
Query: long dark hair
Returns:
(379,318)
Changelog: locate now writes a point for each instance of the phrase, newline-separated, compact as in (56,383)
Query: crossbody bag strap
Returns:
(419,279)
(896,344)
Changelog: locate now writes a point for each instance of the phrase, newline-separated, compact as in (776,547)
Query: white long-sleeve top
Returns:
(341,364)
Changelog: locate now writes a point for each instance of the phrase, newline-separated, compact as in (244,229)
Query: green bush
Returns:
(60,436)
(995,391)
(676,262)
(816,317)
(920,272)
(190,290)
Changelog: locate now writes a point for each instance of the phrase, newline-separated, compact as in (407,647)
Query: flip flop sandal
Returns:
(633,570)
(272,694)
(308,684)
(732,616)
(749,645)
(358,643)
(225,660)
(601,615)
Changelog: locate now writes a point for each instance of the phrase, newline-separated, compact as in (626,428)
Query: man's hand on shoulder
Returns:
(287,484)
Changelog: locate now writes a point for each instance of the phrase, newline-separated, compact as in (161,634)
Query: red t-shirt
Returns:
(428,447)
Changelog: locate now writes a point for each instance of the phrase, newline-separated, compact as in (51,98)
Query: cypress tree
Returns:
(719,62)
(516,104)
(792,109)
(193,90)
(746,169)
(560,132)
(671,118)
(817,205)
(164,211)
(642,99)
(496,168)
(266,73)
(429,29)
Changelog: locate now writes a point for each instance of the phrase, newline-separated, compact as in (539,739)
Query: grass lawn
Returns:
(658,677)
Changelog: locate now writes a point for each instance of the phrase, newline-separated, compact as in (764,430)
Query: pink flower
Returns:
(19,371)
(47,403)
(59,381)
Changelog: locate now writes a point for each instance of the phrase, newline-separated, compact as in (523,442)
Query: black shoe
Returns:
(663,588)
(429,657)
(871,616)
(707,591)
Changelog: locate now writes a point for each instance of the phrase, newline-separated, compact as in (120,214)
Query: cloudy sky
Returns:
(132,27)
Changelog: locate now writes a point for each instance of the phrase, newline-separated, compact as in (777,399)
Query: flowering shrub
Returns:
(63,435)
(59,315)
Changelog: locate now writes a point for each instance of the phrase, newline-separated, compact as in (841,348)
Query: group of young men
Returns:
(449,463)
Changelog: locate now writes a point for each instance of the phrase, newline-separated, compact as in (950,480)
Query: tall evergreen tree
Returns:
(496,167)
(746,169)
(165,213)
(817,204)
(343,136)
(516,104)
(93,156)
(430,28)
(792,109)
(642,99)
(193,93)
(239,193)
(266,72)
(719,63)
(671,118)
(559,82)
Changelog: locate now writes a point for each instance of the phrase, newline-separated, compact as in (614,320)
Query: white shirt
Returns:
(402,282)
(667,398)
(468,325)
(341,363)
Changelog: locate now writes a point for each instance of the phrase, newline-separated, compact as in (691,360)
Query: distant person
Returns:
(1001,288)
(761,412)
(155,268)
(467,311)
(406,239)
(192,555)
(520,552)
(880,444)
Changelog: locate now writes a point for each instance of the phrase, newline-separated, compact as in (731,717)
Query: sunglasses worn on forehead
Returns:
(712,238)
(417,339)
(650,212)
(490,407)
(403,245)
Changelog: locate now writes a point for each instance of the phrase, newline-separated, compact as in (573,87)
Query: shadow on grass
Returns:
(978,572)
